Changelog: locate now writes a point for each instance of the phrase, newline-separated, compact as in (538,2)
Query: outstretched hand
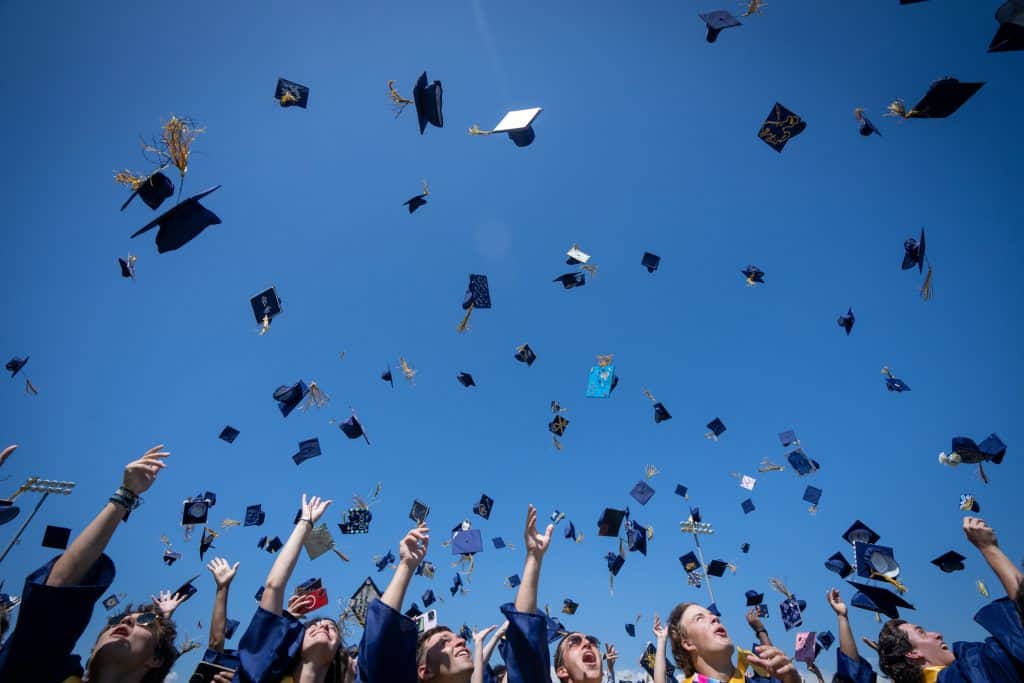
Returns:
(776,662)
(413,548)
(835,601)
(222,572)
(536,543)
(140,474)
(756,625)
(167,603)
(660,632)
(979,533)
(314,508)
(611,654)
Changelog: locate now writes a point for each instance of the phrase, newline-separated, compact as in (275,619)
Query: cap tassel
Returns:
(288,98)
(981,470)
(128,179)
(897,108)
(982,588)
(781,587)
(712,436)
(926,288)
(651,470)
(475,130)
(899,586)
(557,443)
(400,102)
(768,466)
(316,397)
(178,136)
(753,7)
(230,522)
(813,509)
(873,644)
(406,369)
(590,268)
(31,389)
(464,325)
(265,325)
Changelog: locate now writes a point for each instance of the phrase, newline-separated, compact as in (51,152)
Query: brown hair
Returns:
(421,642)
(166,634)
(676,635)
(339,662)
(893,646)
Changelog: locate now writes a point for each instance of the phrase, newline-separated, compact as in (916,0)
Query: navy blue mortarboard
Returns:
(745,548)
(636,537)
(717,21)
(419,200)
(631,630)
(570,531)
(254,515)
(466,633)
(266,305)
(615,562)
(484,506)
(524,354)
(716,427)
(428,102)
(913,253)
(15,365)
(650,261)
(965,450)
(205,543)
(681,490)
(557,426)
(968,503)
(569,606)
(181,224)
(859,532)
(127,266)
(791,613)
(874,559)
(498,542)
(825,639)
(195,511)
(555,628)
(456,584)
(478,292)
(387,377)
(187,590)
(754,598)
(661,413)
(289,397)
(799,461)
(513,581)
(230,626)
(943,98)
(465,379)
(748,506)
(878,599)
(111,602)
(229,434)
(713,608)
(717,568)
(153,190)
(648,659)
(754,275)
(170,557)
(413,611)
(950,562)
(467,542)
(812,495)
(610,522)
(428,598)
(353,428)
(689,562)
(570,280)
(866,127)
(259,591)
(355,521)
(846,321)
(788,438)
(56,537)
(383,561)
(838,564)
(896,384)
(642,492)
(419,511)
(291,94)
(426,568)
(1010,36)
(780,127)
(310,448)
(274,544)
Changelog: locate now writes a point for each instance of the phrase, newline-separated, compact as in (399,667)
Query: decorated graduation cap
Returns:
(558,425)
(642,492)
(649,658)
(950,562)
(465,379)
(569,606)
(254,515)
(715,429)
(610,522)
(478,295)
(943,98)
(195,510)
(866,127)
(571,280)
(360,601)
(291,94)
(805,647)
(419,511)
(419,200)
(170,556)
(965,450)
(576,256)
(968,503)
(660,411)
(288,397)
(524,354)
(318,541)
(601,378)
(791,609)
(153,189)
(484,506)
(718,21)
(181,224)
(650,261)
(265,307)
(837,563)
(846,321)
(355,521)
(1010,36)
(229,434)
(754,275)
(56,537)
(780,127)
(878,599)
(690,562)
(517,123)
(894,383)
(875,561)
(382,561)
(310,448)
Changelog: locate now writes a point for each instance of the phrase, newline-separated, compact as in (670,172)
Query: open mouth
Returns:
(588,657)
(721,632)
(121,631)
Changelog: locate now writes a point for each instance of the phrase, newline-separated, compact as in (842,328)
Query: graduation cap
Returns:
(288,397)
(717,568)
(353,428)
(636,537)
(748,506)
(230,626)
(681,491)
(754,598)
(965,450)
(642,492)
(610,522)
(874,560)
(127,266)
(355,521)
(427,98)
(950,562)
(866,127)
(254,515)
(274,544)
(661,413)
(615,562)
(650,261)
(846,321)
(153,190)
(878,599)
(689,562)
(386,376)
(498,542)
(716,428)
(825,639)
(206,541)
(838,564)
(419,200)
(754,275)
(648,659)
(513,581)
(181,224)
(569,606)
(310,448)
(426,568)
(360,601)
(570,531)
(812,495)
(968,503)
(800,463)
(1010,36)
(15,365)
(187,590)
(229,434)
(791,612)
(318,541)
(859,532)
(56,537)
(484,506)
(383,561)
(456,584)
(913,253)
(780,127)
(467,542)
(111,602)
(601,378)
(524,354)
(570,280)
(575,256)
(170,557)
(291,94)
(466,379)
(419,511)
(195,511)
(558,425)
(944,97)
(745,548)
(518,124)
(718,21)
(265,306)
(631,630)
(788,438)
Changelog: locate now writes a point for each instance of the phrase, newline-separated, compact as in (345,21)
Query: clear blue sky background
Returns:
(648,141)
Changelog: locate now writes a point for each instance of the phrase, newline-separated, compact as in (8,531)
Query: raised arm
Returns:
(482,652)
(984,539)
(411,551)
(757,626)
(284,565)
(86,549)
(223,573)
(610,655)
(847,643)
(536,545)
(661,641)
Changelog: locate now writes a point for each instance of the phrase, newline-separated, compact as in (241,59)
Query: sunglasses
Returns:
(146,619)
(574,641)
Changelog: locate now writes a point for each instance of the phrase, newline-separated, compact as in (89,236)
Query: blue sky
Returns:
(648,141)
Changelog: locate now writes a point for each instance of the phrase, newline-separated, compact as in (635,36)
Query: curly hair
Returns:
(166,634)
(893,646)
(676,635)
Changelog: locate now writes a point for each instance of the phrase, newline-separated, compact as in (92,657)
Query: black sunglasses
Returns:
(146,619)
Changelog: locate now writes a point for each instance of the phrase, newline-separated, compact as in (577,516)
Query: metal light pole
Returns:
(697,528)
(36,485)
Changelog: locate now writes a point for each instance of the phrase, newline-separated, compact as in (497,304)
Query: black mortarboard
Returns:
(170,557)
(780,127)
(636,537)
(943,98)
(187,590)
(859,532)
(846,321)
(110,602)
(181,224)
(428,598)
(717,568)
(753,275)
(484,506)
(631,630)
(800,463)
(642,492)
(289,397)
(195,511)
(650,261)
(754,598)
(262,545)
(717,428)
(153,190)
(387,377)
(415,202)
(877,599)
(615,562)
(717,21)
(913,253)
(419,511)
(748,506)
(466,379)
(745,548)
(15,365)
(310,448)
(967,451)
(1010,36)
(413,611)
(355,521)
(205,543)
(681,490)
(353,428)
(896,384)
(713,608)
(557,426)
(478,292)
(610,522)
(456,584)
(274,544)
(519,125)
(524,354)
(950,562)
(866,127)
(56,537)
(689,562)
(127,267)
(229,434)
(266,304)
(570,531)
(661,413)
(825,639)
(428,102)
(838,564)
(570,280)
(569,606)
(254,515)
(291,94)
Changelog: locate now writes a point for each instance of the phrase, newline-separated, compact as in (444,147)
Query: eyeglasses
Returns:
(146,619)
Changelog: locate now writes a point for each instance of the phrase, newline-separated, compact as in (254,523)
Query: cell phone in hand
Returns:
(205,672)
(426,621)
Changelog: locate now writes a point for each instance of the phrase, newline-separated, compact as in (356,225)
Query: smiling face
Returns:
(701,633)
(127,645)
(578,658)
(321,640)
(443,655)
(927,646)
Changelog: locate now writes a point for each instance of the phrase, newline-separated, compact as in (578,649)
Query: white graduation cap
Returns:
(577,256)
(518,124)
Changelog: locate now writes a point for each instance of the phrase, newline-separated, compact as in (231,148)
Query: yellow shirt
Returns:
(930,674)
(737,677)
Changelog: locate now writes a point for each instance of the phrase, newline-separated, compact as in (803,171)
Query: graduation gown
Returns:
(269,647)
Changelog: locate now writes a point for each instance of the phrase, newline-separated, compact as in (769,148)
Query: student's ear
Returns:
(424,673)
(914,657)
(687,644)
(561,673)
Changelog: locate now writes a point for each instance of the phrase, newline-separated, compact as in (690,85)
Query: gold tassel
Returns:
(605,361)
(590,268)
(265,325)
(128,179)
(178,136)
(406,370)
(475,130)
(229,522)
(396,99)
(982,589)
(649,395)
(650,471)
(579,538)
(287,98)
(425,190)
(897,108)
(926,288)
(768,466)
(781,587)
(900,588)
(558,444)
(753,7)
(316,397)
(464,325)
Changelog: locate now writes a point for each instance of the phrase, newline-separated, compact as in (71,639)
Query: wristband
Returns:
(127,499)
(307,521)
